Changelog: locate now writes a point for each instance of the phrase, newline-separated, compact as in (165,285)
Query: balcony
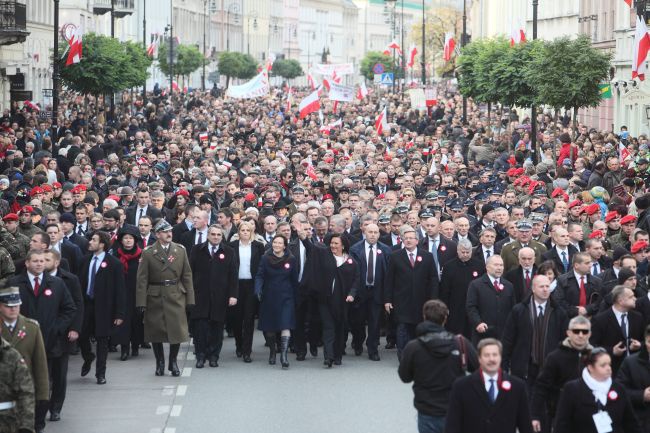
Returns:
(13,23)
(122,7)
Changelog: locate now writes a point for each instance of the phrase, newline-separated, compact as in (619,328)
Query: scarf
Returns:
(276,261)
(598,388)
(125,256)
(540,326)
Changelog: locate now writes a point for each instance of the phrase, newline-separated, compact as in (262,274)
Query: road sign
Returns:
(387,78)
(378,68)
(377,79)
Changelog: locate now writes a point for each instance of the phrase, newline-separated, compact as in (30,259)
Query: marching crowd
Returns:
(512,280)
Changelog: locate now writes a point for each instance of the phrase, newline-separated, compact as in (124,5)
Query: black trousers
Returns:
(308,326)
(245,312)
(360,314)
(58,371)
(87,331)
(333,332)
(208,338)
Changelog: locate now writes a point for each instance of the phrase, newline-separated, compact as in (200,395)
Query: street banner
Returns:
(431,96)
(258,86)
(338,92)
(417,99)
(333,69)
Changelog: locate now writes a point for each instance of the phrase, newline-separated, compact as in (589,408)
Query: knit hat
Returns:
(625,274)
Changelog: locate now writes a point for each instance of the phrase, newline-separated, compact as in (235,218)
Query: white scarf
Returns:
(598,388)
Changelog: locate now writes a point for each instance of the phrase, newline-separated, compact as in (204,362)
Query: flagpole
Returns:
(533,111)
(463,42)
(55,73)
(144,45)
(424,26)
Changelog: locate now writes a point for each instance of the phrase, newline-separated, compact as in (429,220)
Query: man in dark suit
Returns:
(143,207)
(486,246)
(489,400)
(562,253)
(442,249)
(489,301)
(68,225)
(534,327)
(393,239)
(59,376)
(521,277)
(46,300)
(577,291)
(600,261)
(82,223)
(411,280)
(199,232)
(462,231)
(66,249)
(620,328)
(145,225)
(372,257)
(102,280)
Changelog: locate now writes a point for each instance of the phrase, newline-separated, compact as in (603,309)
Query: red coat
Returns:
(565,152)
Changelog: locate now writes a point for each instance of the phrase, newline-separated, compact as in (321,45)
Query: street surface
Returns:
(358,397)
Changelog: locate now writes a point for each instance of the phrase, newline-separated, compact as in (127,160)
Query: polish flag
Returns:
(395,46)
(311,81)
(310,104)
(269,62)
(326,83)
(29,104)
(517,36)
(450,45)
(325,129)
(412,54)
(641,47)
(152,49)
(75,49)
(629,2)
(311,172)
(362,92)
(381,123)
(623,152)
(335,107)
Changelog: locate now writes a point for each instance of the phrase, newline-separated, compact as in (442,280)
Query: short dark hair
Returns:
(104,238)
(489,342)
(45,239)
(113,214)
(344,241)
(435,311)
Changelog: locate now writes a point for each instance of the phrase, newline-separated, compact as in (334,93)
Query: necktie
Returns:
(497,285)
(487,254)
(527,279)
(144,241)
(37,286)
(594,269)
(434,251)
(200,240)
(214,250)
(11,328)
(540,313)
(412,260)
(582,301)
(565,262)
(624,330)
(370,279)
(80,230)
(140,216)
(399,240)
(91,279)
(492,392)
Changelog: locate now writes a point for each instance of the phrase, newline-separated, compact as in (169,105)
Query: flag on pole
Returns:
(641,47)
(75,48)
(623,152)
(605,91)
(412,54)
(395,46)
(152,49)
(629,2)
(311,81)
(310,104)
(450,46)
(269,62)
(362,92)
(517,35)
(381,123)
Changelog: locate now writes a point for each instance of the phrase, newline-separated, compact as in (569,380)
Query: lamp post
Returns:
(403,47)
(311,36)
(253,16)
(233,8)
(171,46)
(463,42)
(55,73)
(112,36)
(205,16)
(292,29)
(273,27)
(144,45)
(423,58)
(389,12)
(533,111)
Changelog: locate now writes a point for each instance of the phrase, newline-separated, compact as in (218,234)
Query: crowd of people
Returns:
(473,252)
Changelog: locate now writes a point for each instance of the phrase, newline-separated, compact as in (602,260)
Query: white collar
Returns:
(578,276)
(487,377)
(543,305)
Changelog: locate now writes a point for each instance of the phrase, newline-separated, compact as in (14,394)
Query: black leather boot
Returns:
(159,353)
(173,365)
(270,341)
(284,349)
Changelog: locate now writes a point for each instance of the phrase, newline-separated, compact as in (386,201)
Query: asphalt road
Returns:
(357,397)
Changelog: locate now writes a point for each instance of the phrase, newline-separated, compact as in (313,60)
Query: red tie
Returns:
(144,242)
(497,286)
(399,240)
(412,260)
(527,279)
(37,286)
(583,293)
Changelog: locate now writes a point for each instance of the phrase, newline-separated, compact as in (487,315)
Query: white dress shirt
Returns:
(374,260)
(244,261)
(140,211)
(31,279)
(486,380)
(204,236)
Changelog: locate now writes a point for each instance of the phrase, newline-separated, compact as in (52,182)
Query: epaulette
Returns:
(32,321)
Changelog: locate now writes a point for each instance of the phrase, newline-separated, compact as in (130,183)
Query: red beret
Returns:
(36,190)
(628,219)
(47,188)
(10,217)
(382,196)
(27,209)
(82,187)
(556,192)
(596,234)
(249,197)
(511,172)
(592,209)
(114,197)
(638,246)
(56,185)
(182,192)
(575,203)
(611,215)
(327,197)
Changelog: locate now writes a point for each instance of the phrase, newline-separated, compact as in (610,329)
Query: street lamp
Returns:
(233,8)
(205,19)
(533,111)
(55,73)
(251,16)
(423,58)
(463,42)
(389,13)
(273,27)
(311,36)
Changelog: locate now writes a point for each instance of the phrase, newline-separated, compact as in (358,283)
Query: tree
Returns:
(237,65)
(188,59)
(287,68)
(509,73)
(371,59)
(248,68)
(438,22)
(137,65)
(467,66)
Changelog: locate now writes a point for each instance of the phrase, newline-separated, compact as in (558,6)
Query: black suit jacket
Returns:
(308,271)
(72,253)
(567,293)
(470,410)
(79,241)
(606,332)
(517,278)
(552,255)
(188,240)
(74,288)
(477,252)
(487,305)
(470,236)
(446,251)
(152,212)
(387,239)
(358,252)
(178,230)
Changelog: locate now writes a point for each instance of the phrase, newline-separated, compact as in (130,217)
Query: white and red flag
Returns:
(362,91)
(641,47)
(75,48)
(517,35)
(450,46)
(381,123)
(413,52)
(310,104)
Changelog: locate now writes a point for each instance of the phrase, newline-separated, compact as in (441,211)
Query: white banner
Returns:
(417,99)
(339,68)
(341,93)
(258,86)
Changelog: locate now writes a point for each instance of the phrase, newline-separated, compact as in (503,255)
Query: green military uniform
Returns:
(510,254)
(7,267)
(29,229)
(17,244)
(165,288)
(618,240)
(17,404)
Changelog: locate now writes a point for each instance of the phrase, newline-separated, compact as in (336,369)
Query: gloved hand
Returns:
(141,310)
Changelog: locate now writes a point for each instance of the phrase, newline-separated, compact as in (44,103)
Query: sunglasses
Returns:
(581,331)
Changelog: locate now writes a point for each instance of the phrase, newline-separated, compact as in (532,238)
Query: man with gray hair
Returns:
(459,273)
(521,277)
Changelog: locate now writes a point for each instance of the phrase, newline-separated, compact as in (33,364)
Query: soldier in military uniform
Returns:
(25,225)
(25,336)
(164,291)
(17,404)
(7,267)
(16,243)
(510,252)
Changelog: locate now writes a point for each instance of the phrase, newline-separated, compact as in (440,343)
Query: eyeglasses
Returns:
(581,331)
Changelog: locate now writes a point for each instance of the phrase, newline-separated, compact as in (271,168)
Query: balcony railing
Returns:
(122,7)
(13,22)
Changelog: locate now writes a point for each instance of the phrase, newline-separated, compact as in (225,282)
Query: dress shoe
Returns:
(112,348)
(124,356)
(85,368)
(373,357)
(200,362)
(55,416)
(337,361)
(160,368)
(238,353)
(214,362)
(301,356)
(327,363)
(247,359)
(101,381)
(135,351)
(145,346)
(173,367)
(313,349)
(358,351)
(390,345)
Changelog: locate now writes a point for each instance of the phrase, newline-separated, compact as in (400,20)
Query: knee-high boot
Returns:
(270,341)
(173,365)
(284,349)
(159,353)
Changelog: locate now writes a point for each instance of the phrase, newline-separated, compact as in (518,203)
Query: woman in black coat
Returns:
(595,394)
(337,283)
(276,286)
(249,254)
(131,333)
(634,375)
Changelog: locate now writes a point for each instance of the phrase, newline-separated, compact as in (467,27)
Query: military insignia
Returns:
(170,259)
(21,334)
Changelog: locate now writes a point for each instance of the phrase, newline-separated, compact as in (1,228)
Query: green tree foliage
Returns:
(237,65)
(287,68)
(188,59)
(372,58)
(248,67)
(509,73)
(107,65)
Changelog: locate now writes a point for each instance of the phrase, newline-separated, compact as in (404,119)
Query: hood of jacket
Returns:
(438,341)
